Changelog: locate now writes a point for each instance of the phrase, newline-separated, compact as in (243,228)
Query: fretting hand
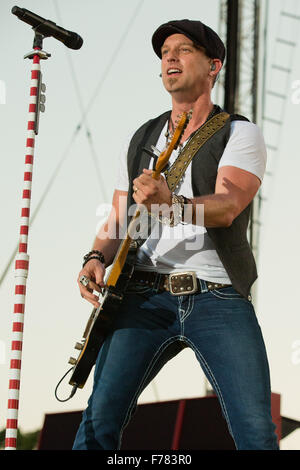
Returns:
(149,191)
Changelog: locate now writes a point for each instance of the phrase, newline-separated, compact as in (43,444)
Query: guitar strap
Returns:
(201,136)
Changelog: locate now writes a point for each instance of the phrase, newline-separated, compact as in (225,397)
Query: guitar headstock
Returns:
(163,158)
(180,127)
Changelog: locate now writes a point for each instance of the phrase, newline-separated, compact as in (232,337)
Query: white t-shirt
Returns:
(187,247)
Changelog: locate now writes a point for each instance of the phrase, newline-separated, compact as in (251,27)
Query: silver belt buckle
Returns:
(183,283)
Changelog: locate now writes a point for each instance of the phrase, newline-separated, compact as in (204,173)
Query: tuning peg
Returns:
(72,361)
(78,346)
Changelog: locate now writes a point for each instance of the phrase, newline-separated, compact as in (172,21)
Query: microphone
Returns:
(48,28)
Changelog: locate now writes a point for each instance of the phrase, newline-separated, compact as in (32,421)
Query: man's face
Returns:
(185,69)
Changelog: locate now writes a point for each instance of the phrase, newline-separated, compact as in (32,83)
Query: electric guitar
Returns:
(98,325)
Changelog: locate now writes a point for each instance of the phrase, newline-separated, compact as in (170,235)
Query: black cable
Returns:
(73,391)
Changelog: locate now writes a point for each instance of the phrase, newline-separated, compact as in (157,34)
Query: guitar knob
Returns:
(72,361)
(78,346)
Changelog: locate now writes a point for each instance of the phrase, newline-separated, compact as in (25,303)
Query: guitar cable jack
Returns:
(73,391)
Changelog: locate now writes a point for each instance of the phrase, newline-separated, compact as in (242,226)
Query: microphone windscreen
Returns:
(74,41)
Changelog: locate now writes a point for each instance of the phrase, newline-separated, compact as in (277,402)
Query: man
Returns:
(217,319)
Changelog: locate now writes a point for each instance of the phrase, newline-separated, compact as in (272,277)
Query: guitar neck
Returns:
(122,252)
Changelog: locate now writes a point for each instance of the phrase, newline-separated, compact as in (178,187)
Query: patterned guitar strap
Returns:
(175,173)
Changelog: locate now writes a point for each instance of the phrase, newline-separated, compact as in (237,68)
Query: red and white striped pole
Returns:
(22,258)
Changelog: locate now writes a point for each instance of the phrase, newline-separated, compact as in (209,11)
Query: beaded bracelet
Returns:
(88,257)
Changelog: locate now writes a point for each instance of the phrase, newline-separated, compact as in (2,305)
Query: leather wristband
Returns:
(187,215)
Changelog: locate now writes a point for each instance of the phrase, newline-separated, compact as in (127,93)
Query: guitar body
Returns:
(98,327)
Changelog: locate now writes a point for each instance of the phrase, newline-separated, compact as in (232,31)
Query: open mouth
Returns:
(173,71)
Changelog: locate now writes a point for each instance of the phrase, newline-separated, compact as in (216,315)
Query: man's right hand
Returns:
(93,270)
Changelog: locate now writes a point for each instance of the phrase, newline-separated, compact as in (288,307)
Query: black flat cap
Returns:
(197,31)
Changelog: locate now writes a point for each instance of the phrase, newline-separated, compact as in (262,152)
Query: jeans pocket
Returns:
(227,293)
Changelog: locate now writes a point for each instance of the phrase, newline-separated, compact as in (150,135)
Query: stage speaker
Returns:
(189,424)
(183,424)
(59,430)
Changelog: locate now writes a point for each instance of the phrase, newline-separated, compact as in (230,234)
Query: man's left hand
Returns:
(148,191)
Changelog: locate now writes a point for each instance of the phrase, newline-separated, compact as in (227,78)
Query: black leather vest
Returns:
(231,243)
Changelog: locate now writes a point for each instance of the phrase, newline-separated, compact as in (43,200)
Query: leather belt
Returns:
(182,283)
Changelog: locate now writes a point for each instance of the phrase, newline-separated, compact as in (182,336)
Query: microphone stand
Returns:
(36,104)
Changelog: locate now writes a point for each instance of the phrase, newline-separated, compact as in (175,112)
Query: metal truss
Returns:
(248,61)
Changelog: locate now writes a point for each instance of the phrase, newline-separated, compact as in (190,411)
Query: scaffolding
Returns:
(278,86)
(242,29)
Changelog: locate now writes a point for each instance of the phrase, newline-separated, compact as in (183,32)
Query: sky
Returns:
(95,97)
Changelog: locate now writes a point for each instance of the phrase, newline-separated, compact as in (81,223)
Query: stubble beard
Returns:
(173,86)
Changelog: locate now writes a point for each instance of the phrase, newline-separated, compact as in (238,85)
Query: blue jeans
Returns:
(221,328)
